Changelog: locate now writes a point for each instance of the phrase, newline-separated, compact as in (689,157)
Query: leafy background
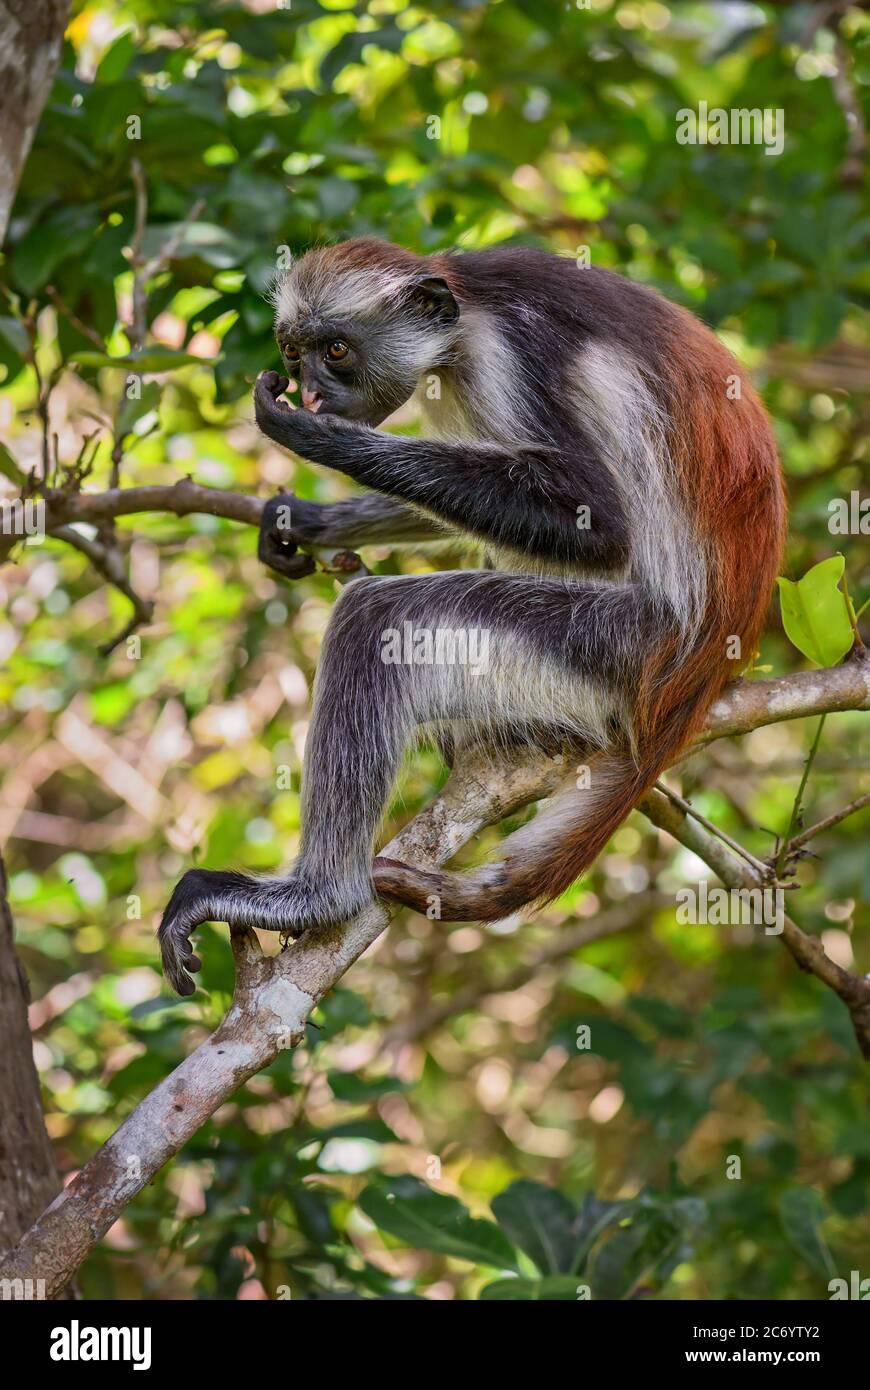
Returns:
(423,1142)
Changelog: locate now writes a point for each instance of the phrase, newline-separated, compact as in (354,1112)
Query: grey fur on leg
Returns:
(560,656)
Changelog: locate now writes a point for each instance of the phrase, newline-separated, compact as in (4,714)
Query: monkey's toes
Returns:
(179,962)
(186,910)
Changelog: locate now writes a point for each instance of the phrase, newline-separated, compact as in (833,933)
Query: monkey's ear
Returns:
(434,297)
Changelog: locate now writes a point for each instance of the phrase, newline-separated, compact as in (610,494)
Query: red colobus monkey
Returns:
(620,475)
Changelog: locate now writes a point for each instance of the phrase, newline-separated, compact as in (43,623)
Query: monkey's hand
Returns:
(289,425)
(314,436)
(287,523)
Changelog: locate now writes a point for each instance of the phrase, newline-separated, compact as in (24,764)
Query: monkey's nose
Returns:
(311,400)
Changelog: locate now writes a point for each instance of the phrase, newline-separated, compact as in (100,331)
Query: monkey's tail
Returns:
(543,858)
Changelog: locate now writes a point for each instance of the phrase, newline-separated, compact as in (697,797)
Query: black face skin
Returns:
(328,361)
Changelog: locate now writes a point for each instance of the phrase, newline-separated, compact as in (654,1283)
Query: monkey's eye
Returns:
(337,351)
(290,354)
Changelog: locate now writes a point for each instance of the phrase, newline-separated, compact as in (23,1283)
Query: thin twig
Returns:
(810,834)
(168,250)
(72,317)
(796,808)
(106,558)
(143,272)
(850,610)
(44,389)
(807,951)
(758,864)
(842,81)
(138,324)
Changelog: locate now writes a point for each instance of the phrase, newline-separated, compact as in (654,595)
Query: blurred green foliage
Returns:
(433,125)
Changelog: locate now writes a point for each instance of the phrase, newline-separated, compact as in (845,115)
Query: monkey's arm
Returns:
(526,499)
(289,522)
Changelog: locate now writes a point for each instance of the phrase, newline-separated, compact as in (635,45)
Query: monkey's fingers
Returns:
(268,388)
(294,566)
(200,895)
(274,382)
(284,557)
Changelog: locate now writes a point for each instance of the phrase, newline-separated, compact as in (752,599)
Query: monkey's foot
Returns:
(200,895)
(290,906)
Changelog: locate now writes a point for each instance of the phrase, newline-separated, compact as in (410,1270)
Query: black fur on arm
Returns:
(526,499)
(289,522)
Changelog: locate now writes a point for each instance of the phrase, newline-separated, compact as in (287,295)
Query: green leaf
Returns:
(620,1262)
(427,1220)
(341,1009)
(814,612)
(117,58)
(313,1215)
(540,1221)
(561,1287)
(595,1217)
(15,335)
(613,1041)
(643,1250)
(377,1130)
(134,409)
(802,1211)
(207,241)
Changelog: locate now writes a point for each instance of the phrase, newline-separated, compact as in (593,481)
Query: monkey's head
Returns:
(358,325)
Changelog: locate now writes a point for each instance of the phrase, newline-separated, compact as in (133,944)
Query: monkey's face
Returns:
(363,362)
(344,367)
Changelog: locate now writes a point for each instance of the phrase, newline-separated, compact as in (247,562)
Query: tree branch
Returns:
(32,50)
(807,951)
(275,995)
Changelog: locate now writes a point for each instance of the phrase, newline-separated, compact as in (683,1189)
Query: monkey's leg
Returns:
(493,650)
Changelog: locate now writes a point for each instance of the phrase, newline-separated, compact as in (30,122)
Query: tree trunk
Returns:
(28,1177)
(31,44)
